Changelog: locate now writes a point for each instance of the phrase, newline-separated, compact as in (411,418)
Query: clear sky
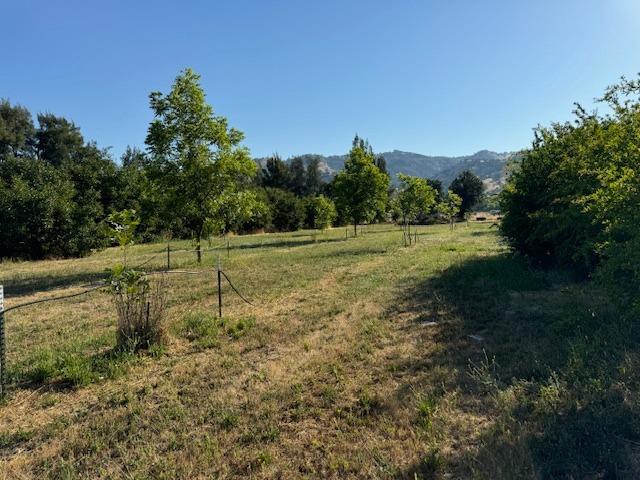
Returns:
(443,77)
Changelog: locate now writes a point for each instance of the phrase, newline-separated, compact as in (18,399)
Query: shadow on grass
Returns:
(555,371)
(18,287)
(282,243)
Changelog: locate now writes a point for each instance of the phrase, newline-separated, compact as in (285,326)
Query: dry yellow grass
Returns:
(335,374)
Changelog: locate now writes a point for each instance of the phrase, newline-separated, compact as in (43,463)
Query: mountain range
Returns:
(490,166)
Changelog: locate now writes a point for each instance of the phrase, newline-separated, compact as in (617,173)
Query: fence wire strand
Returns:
(235,289)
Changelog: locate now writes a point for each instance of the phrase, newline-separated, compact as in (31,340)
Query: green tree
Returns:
(58,140)
(449,207)
(287,210)
(17,132)
(320,212)
(360,189)
(36,209)
(469,187)
(276,173)
(297,176)
(414,198)
(314,183)
(196,157)
(381,163)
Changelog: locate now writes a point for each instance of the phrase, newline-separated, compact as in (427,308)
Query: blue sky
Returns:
(433,77)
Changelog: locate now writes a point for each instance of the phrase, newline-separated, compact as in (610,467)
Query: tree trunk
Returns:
(198,250)
(355,229)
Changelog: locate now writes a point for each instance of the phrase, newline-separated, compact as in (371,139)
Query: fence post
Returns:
(168,256)
(3,349)
(219,289)
(227,248)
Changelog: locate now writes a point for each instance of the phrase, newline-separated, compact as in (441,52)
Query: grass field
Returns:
(361,359)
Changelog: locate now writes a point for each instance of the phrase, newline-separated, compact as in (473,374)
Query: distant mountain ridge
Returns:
(490,166)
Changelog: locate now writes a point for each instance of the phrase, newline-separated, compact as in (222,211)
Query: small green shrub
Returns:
(72,364)
(427,407)
(238,328)
(201,328)
(204,328)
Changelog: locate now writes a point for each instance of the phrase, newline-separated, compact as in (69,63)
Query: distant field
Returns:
(356,362)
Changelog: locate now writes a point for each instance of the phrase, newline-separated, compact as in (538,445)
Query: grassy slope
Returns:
(333,374)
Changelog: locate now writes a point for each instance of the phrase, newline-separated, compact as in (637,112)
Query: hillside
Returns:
(488,165)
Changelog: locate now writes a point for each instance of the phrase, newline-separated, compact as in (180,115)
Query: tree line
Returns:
(194,179)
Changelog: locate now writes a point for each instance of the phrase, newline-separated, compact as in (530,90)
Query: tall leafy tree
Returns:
(314,183)
(360,189)
(58,140)
(297,182)
(196,158)
(276,173)
(469,187)
(437,186)
(17,131)
(381,163)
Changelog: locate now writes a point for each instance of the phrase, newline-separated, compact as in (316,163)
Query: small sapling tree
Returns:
(140,305)
(415,197)
(321,212)
(449,207)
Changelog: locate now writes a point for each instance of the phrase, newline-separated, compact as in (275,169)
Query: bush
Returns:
(287,210)
(574,198)
(320,212)
(141,306)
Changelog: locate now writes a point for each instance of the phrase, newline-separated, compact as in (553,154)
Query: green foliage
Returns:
(360,189)
(36,209)
(469,188)
(72,364)
(414,198)
(55,188)
(17,132)
(197,159)
(320,212)
(287,210)
(276,173)
(449,207)
(204,329)
(313,182)
(201,328)
(574,198)
(122,226)
(139,306)
(297,183)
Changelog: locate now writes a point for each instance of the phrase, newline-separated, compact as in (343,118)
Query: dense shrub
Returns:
(287,210)
(574,198)
(320,212)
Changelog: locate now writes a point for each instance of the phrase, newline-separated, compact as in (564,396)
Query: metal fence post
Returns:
(3,347)
(168,256)
(219,289)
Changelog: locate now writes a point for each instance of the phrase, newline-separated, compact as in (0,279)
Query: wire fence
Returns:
(89,288)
